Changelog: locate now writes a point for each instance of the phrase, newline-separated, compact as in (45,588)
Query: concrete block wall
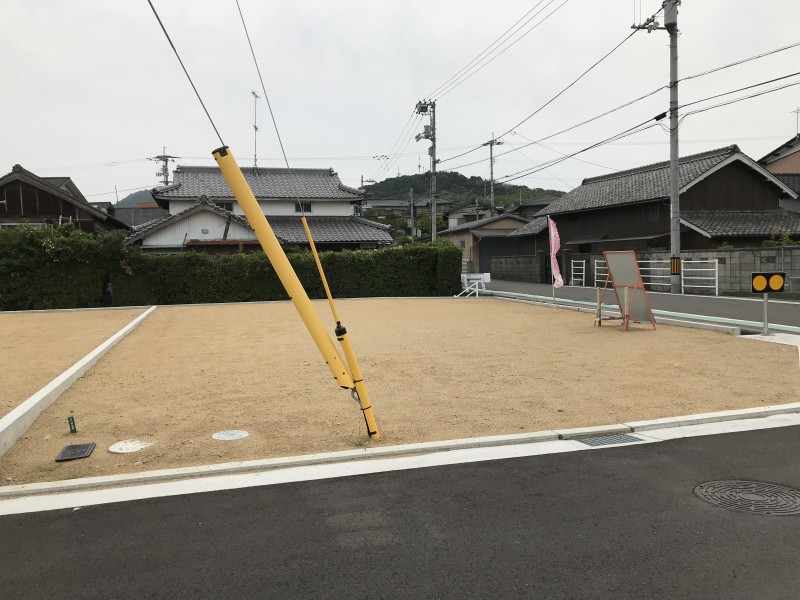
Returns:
(517,268)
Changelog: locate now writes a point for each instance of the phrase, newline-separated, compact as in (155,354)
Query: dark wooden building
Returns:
(725,198)
(27,199)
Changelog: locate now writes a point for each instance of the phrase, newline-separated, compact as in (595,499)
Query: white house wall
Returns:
(282,208)
(199,226)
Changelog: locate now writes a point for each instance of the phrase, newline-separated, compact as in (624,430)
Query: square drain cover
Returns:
(75,451)
(607,440)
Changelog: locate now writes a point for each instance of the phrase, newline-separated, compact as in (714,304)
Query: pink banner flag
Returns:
(555,245)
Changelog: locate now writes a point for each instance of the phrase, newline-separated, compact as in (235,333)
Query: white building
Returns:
(202,212)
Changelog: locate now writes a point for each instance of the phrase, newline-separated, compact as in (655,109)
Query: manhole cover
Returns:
(607,440)
(75,451)
(231,434)
(128,446)
(751,496)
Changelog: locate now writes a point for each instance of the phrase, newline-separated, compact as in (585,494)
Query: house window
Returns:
(463,244)
(302,207)
(225,206)
(651,213)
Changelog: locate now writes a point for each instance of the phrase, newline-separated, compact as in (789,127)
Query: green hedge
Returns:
(63,267)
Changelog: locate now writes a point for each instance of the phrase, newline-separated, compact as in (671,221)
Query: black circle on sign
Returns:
(756,497)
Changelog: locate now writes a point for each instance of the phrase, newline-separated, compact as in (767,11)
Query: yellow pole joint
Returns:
(358,380)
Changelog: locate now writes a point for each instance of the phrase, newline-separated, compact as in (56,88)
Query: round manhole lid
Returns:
(230,434)
(128,446)
(755,497)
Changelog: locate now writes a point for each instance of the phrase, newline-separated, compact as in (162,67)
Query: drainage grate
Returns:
(607,440)
(75,451)
(754,497)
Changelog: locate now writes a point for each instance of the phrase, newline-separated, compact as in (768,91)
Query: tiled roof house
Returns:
(725,197)
(203,213)
(27,199)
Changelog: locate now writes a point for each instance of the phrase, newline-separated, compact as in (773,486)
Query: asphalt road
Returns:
(611,523)
(781,312)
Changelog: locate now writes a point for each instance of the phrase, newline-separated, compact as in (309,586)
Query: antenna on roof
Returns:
(796,120)
(256,98)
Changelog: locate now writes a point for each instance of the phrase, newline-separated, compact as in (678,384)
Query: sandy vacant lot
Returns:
(435,368)
(36,347)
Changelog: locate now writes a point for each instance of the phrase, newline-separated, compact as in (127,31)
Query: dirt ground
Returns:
(37,347)
(435,369)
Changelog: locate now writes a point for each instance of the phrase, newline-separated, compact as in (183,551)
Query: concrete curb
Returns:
(16,423)
(253,466)
(715,417)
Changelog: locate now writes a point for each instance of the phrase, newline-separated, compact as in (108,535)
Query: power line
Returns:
(538,110)
(741,89)
(623,134)
(630,102)
(742,61)
(185,71)
(485,50)
(466,77)
(735,100)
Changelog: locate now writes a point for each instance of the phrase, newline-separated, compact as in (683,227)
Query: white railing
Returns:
(655,273)
(702,274)
(600,273)
(577,272)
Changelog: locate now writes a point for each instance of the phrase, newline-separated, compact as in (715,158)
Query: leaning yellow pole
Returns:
(277,257)
(347,346)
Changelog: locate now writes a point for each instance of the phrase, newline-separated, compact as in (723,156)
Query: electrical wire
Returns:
(643,126)
(735,100)
(581,76)
(740,89)
(742,61)
(186,72)
(485,50)
(503,51)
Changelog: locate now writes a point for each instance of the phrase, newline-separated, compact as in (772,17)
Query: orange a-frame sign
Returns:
(626,279)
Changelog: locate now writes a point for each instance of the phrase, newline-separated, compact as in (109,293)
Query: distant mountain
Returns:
(134,199)
(456,187)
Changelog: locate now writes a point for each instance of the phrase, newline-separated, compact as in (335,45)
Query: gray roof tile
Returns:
(482,222)
(317,184)
(649,182)
(538,225)
(743,223)
(791,180)
(331,230)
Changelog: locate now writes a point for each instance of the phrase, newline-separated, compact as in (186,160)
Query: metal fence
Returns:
(656,274)
(577,272)
(700,274)
(600,273)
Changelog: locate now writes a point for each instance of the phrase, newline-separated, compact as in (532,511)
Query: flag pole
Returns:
(550,247)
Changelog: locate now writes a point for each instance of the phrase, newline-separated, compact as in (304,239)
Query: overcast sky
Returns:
(92,88)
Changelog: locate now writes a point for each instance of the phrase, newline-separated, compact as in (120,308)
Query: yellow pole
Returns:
(277,257)
(347,346)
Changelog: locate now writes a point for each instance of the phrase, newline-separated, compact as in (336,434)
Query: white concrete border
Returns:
(16,423)
(406,450)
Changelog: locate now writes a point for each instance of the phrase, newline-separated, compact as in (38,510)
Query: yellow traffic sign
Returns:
(768,282)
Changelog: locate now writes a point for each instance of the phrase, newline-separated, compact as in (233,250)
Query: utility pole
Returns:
(429,133)
(796,120)
(164,159)
(491,143)
(255,129)
(411,220)
(671,26)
